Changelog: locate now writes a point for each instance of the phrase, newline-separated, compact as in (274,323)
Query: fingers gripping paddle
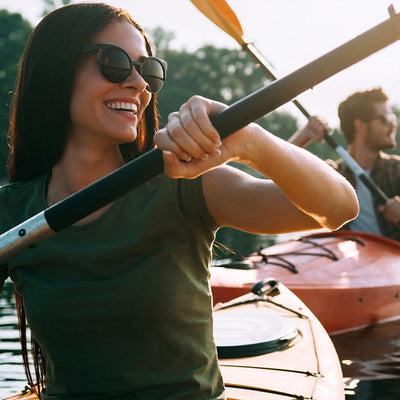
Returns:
(142,169)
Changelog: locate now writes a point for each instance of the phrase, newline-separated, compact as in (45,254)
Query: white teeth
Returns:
(123,106)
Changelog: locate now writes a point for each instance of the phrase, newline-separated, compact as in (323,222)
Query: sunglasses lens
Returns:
(153,73)
(115,65)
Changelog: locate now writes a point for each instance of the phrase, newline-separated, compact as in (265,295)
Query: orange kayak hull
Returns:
(348,279)
(308,368)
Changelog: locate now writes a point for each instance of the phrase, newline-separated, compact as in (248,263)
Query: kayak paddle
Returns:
(219,12)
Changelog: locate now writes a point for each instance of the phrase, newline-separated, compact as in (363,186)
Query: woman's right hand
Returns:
(190,143)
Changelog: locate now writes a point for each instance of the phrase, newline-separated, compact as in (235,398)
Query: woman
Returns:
(119,304)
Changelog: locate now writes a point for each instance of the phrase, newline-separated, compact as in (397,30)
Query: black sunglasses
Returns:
(116,65)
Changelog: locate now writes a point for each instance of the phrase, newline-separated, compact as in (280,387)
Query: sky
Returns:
(288,33)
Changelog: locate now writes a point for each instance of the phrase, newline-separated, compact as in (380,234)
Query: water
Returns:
(12,375)
(370,357)
(371,362)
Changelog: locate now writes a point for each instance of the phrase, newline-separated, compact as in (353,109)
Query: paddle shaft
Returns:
(260,59)
(223,16)
(238,115)
(340,150)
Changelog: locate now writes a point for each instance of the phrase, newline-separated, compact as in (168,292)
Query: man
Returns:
(369,127)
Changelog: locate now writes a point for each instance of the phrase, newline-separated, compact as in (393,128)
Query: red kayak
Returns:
(348,279)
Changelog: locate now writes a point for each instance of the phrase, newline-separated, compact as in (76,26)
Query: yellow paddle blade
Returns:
(219,12)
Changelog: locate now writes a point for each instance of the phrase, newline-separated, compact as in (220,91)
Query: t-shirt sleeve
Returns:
(193,204)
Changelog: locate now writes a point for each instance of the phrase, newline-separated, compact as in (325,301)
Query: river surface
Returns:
(370,357)
(371,362)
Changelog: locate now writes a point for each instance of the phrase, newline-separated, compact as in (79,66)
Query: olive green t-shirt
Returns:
(121,306)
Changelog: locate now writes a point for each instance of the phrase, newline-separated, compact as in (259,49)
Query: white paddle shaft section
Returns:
(23,236)
(351,163)
(356,169)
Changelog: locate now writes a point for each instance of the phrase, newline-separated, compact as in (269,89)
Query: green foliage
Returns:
(221,74)
(50,5)
(14,32)
(396,111)
(281,124)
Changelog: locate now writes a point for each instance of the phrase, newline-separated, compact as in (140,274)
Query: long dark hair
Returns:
(40,113)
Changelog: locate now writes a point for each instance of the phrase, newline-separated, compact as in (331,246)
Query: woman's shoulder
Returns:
(16,192)
(20,200)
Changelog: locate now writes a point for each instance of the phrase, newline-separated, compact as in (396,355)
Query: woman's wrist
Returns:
(255,146)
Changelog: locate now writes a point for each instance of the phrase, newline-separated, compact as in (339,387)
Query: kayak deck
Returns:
(348,279)
(308,368)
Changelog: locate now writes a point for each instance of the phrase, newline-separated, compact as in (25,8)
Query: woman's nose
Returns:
(135,81)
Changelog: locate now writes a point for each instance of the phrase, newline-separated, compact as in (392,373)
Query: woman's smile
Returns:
(124,107)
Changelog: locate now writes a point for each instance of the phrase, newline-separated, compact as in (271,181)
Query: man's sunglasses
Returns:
(116,65)
(386,119)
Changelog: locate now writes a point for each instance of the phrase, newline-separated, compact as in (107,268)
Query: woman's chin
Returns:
(129,138)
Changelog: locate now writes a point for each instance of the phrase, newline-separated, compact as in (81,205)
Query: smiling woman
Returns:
(95,99)
(98,331)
